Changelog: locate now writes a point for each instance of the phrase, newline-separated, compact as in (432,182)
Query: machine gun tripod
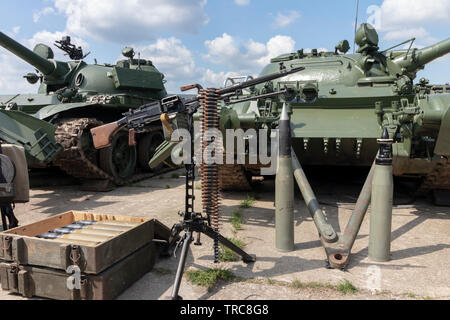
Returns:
(193,221)
(207,102)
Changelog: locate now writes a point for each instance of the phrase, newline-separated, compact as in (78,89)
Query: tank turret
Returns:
(133,76)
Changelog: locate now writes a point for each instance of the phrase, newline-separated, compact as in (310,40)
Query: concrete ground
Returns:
(420,243)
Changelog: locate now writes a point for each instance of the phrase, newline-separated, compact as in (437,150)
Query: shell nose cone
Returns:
(284,114)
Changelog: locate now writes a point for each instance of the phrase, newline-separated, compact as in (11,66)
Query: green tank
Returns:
(37,137)
(341,102)
(74,97)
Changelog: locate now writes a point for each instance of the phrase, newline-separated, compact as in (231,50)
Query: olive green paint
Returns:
(284,205)
(381,214)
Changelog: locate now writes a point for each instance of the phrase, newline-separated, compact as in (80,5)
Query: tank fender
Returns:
(49,111)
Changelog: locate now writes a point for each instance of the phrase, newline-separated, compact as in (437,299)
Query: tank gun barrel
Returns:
(43,65)
(416,59)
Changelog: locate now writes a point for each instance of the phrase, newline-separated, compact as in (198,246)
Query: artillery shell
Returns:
(107,233)
(284,189)
(109,222)
(108,227)
(77,242)
(119,223)
(85,237)
(86,222)
(62,230)
(74,226)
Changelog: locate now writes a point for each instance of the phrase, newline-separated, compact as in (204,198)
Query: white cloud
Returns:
(16,30)
(402,34)
(410,13)
(46,11)
(402,19)
(173,59)
(216,80)
(136,20)
(276,46)
(242,2)
(249,57)
(283,20)
(179,66)
(13,70)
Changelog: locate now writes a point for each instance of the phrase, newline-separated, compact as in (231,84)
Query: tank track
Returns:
(233,178)
(76,163)
(439,179)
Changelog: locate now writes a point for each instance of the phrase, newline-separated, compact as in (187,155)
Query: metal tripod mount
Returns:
(193,221)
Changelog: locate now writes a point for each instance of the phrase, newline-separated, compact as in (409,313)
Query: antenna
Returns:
(356,25)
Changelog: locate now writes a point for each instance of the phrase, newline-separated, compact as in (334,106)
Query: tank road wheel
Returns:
(146,149)
(119,160)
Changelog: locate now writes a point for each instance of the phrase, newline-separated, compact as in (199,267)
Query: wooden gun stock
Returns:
(101,135)
(190,87)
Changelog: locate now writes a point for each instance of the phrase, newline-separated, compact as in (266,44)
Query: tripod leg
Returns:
(4,224)
(13,222)
(227,243)
(181,264)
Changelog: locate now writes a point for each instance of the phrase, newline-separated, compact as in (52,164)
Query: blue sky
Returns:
(204,41)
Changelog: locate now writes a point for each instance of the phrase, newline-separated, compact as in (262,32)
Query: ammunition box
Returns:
(32,281)
(42,267)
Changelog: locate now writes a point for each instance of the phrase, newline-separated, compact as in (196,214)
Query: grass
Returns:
(297,284)
(161,177)
(227,255)
(208,278)
(247,203)
(237,220)
(346,287)
(168,186)
(198,186)
(175,176)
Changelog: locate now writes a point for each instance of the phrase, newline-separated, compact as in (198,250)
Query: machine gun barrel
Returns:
(416,59)
(253,82)
(137,119)
(43,65)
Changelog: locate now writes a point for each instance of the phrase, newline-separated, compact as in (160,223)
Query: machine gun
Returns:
(207,102)
(70,49)
(138,119)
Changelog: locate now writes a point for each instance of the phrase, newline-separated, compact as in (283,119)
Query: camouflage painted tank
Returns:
(342,101)
(75,96)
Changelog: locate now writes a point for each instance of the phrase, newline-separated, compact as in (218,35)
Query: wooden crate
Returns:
(32,281)
(21,246)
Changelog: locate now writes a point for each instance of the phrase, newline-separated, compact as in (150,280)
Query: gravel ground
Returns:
(420,243)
